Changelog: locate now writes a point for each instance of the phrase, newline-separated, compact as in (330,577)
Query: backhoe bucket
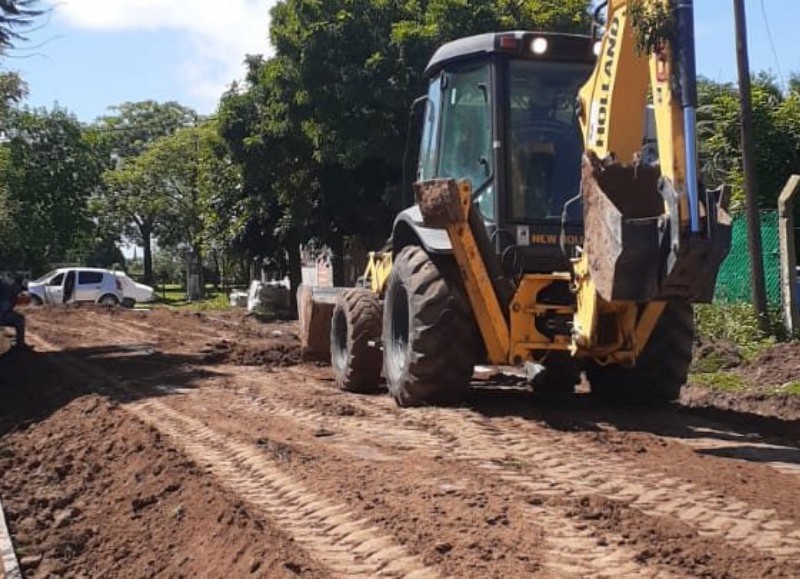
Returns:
(633,240)
(314,311)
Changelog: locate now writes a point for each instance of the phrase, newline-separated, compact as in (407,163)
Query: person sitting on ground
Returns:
(10,293)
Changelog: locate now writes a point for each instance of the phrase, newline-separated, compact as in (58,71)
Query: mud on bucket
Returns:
(626,229)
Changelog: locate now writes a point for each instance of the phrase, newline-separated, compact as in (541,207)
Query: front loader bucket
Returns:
(633,240)
(314,311)
(625,226)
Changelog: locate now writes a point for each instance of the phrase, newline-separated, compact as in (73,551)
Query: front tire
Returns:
(662,367)
(428,333)
(356,321)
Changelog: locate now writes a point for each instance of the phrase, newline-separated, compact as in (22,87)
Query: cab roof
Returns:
(562,47)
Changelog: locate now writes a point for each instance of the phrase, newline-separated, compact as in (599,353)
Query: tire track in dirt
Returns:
(327,530)
(568,467)
(184,332)
(347,545)
(120,333)
(572,548)
(125,328)
(566,462)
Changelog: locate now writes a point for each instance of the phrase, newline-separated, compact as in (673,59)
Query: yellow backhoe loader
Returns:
(543,230)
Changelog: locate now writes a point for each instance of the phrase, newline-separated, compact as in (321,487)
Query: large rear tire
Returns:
(662,368)
(428,333)
(355,333)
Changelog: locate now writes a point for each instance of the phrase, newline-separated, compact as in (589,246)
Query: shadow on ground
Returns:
(580,412)
(35,384)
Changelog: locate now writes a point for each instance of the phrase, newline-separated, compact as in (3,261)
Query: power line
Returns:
(772,47)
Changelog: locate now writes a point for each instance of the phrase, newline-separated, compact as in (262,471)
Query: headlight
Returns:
(539,45)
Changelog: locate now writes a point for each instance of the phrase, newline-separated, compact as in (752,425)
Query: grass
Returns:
(173,296)
(727,382)
(724,381)
(734,323)
(791,388)
(709,364)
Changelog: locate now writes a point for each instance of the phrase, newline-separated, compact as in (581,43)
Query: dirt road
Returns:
(179,445)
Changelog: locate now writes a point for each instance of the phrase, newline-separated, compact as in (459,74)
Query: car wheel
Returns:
(36,300)
(128,303)
(108,300)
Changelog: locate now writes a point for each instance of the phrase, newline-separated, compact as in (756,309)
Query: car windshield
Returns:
(546,142)
(45,277)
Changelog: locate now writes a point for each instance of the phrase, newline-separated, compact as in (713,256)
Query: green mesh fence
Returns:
(733,282)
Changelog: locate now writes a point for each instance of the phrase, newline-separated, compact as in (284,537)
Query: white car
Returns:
(86,284)
(133,291)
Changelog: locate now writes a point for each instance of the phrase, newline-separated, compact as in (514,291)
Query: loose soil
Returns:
(770,382)
(162,443)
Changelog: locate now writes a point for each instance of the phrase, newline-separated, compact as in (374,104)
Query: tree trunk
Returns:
(295,272)
(147,254)
(194,277)
(217,275)
(337,260)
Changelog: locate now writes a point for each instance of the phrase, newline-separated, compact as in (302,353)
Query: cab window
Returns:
(430,132)
(545,140)
(466,143)
(57,281)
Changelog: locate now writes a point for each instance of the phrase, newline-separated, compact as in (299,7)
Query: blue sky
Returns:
(92,54)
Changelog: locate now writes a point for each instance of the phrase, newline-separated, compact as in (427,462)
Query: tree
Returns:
(185,174)
(262,126)
(16,15)
(127,201)
(134,126)
(49,170)
(320,128)
(357,67)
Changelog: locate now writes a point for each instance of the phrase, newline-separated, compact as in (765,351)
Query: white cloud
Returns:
(222,32)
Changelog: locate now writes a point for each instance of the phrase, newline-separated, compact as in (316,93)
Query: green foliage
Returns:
(134,126)
(191,173)
(654,25)
(49,170)
(169,267)
(320,128)
(12,91)
(724,381)
(131,201)
(174,296)
(776,119)
(731,322)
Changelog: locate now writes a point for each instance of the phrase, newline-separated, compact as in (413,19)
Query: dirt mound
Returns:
(714,356)
(93,492)
(776,366)
(785,407)
(273,354)
(765,386)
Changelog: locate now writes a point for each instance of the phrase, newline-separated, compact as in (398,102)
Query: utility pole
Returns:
(749,168)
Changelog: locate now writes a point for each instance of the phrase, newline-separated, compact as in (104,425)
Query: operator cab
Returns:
(500,111)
